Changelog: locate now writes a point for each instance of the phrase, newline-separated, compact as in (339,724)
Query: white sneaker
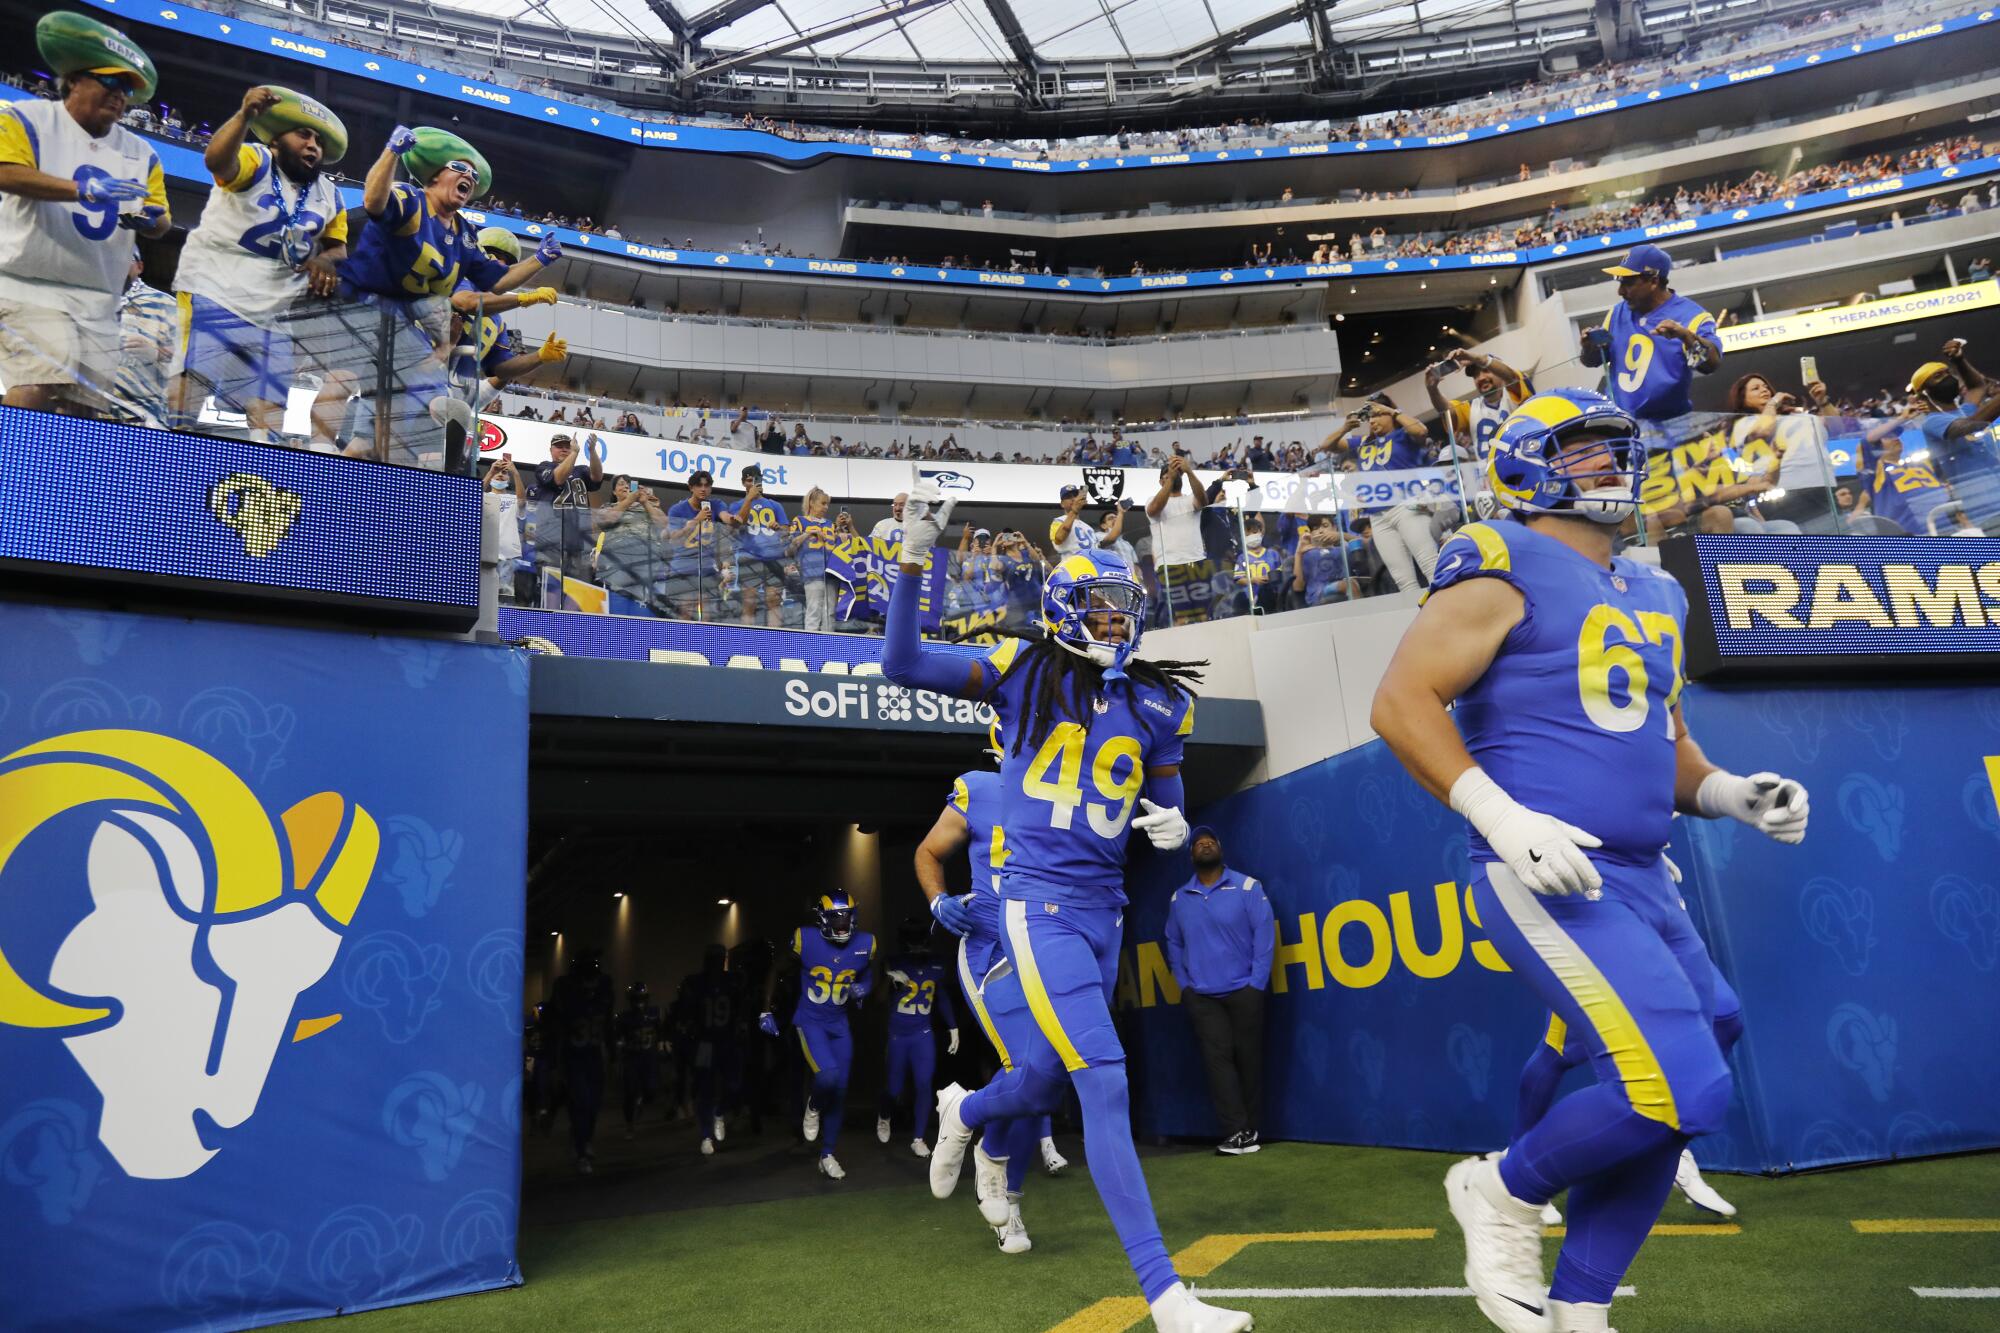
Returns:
(1580,1317)
(1051,1159)
(584,1166)
(1177,1311)
(1551,1215)
(719,1135)
(830,1168)
(1014,1235)
(989,1182)
(811,1126)
(1503,1247)
(1687,1179)
(708,1147)
(952,1137)
(881,1129)
(920,1148)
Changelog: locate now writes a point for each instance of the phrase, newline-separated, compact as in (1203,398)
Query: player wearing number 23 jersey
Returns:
(1568,757)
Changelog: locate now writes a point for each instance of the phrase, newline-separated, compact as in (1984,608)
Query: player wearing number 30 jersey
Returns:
(1568,759)
(1093,750)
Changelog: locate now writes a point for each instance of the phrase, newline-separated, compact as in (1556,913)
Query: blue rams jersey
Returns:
(828,974)
(762,534)
(1906,494)
(711,1000)
(1067,798)
(410,252)
(1574,716)
(1324,568)
(1394,452)
(914,980)
(1650,376)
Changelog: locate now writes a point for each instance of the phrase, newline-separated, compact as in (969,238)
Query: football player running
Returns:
(1569,758)
(270,233)
(1095,737)
(918,986)
(970,822)
(836,966)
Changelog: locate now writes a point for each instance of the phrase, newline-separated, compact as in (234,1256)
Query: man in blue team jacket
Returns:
(1220,937)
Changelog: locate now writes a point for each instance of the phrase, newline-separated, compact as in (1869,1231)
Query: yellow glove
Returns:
(538,296)
(552,349)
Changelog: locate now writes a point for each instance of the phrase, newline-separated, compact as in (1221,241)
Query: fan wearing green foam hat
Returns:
(73,184)
(270,235)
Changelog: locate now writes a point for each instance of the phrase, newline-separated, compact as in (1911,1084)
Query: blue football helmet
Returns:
(1530,474)
(835,915)
(1094,583)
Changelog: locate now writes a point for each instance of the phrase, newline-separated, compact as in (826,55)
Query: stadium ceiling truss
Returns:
(988,59)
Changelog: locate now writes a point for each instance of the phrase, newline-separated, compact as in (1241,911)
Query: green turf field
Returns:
(877,1252)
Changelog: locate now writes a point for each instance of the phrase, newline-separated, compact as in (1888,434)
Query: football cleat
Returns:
(1687,1179)
(1052,1160)
(810,1127)
(1013,1235)
(1551,1215)
(1580,1317)
(1177,1311)
(952,1137)
(719,1135)
(829,1167)
(881,1129)
(708,1147)
(1503,1247)
(989,1182)
(920,1148)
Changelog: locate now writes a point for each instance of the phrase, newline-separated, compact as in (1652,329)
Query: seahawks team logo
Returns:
(1104,485)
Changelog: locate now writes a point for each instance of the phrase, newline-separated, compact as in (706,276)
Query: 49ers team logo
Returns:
(492,435)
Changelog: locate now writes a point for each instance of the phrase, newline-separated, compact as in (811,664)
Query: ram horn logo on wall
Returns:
(189,877)
(260,512)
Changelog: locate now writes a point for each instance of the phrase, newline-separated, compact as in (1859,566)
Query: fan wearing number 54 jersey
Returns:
(1093,750)
(1569,758)
(836,969)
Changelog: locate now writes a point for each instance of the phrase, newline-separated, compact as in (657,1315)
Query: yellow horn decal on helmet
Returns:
(249,866)
(29,797)
(1081,567)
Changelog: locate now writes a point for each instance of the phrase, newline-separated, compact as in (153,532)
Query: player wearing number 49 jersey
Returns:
(1569,758)
(1094,738)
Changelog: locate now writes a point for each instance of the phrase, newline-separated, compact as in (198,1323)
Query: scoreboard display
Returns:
(173,515)
(1813,605)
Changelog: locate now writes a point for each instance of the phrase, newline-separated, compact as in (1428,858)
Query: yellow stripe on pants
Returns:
(806,1046)
(1031,982)
(975,995)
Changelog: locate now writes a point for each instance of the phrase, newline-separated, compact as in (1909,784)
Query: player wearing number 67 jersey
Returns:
(1094,738)
(271,232)
(1569,758)
(836,969)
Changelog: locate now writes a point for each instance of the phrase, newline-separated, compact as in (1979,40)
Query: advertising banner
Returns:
(261,913)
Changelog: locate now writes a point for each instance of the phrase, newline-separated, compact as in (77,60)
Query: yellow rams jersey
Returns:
(257,229)
(68,255)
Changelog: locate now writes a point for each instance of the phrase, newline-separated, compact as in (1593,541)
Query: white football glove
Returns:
(951,1047)
(1165,826)
(1774,806)
(1546,853)
(926,514)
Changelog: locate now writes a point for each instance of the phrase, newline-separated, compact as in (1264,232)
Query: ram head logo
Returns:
(207,921)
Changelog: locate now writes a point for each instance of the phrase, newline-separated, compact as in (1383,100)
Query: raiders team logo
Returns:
(1104,485)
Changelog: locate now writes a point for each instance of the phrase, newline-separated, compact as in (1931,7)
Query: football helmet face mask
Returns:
(1571,453)
(835,915)
(1093,607)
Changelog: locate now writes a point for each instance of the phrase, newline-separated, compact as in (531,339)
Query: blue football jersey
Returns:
(1394,452)
(914,982)
(1067,799)
(1574,718)
(1904,493)
(409,251)
(762,534)
(1650,376)
(828,974)
(976,795)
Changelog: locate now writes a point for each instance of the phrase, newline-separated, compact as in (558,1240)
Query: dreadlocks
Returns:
(1058,685)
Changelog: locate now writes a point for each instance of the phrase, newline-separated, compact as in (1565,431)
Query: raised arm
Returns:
(906,659)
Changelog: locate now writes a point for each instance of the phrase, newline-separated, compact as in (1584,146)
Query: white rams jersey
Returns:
(256,230)
(70,256)
(1082,537)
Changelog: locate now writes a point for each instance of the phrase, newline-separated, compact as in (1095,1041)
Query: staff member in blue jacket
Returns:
(1220,936)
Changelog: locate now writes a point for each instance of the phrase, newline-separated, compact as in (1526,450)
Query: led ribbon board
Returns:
(1808,605)
(192,516)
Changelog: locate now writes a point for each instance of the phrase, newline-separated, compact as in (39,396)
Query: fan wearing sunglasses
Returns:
(70,178)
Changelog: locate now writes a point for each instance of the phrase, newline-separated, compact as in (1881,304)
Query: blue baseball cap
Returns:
(1643,259)
(1068,491)
(1200,831)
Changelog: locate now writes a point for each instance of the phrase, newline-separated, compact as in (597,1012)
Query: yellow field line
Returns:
(1211,1252)
(1925,1226)
(1113,1314)
(1673,1229)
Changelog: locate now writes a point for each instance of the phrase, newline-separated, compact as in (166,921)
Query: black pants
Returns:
(1230,1029)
